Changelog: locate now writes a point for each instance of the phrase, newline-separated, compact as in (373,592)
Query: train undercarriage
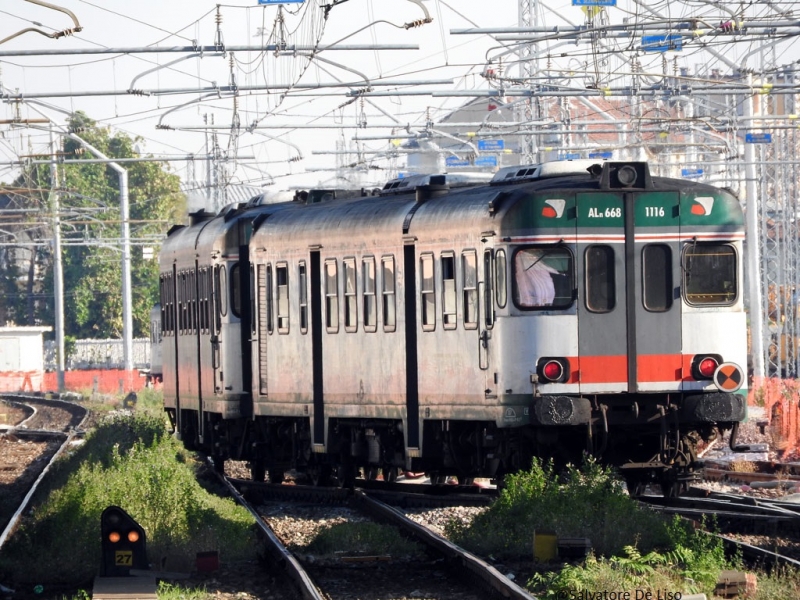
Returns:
(651,439)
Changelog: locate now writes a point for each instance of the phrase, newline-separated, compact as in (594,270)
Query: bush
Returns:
(635,549)
(130,462)
(587,502)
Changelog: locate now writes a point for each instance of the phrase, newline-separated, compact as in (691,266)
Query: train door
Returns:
(220,303)
(628,320)
(486,311)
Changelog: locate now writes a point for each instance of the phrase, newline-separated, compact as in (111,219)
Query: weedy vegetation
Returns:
(582,502)
(130,461)
(634,549)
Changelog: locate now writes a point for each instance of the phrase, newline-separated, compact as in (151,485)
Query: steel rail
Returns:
(756,553)
(274,546)
(75,431)
(494,581)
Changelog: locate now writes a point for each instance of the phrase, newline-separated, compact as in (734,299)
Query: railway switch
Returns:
(123,543)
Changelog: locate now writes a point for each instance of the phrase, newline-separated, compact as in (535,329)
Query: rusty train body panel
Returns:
(461,329)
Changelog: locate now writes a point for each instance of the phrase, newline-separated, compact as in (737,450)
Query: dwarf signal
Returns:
(123,543)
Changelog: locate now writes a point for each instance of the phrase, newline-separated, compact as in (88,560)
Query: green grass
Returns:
(131,462)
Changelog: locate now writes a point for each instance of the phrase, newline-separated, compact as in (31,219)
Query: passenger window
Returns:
(182,302)
(200,304)
(350,297)
(263,330)
(500,278)
(302,279)
(331,297)
(236,296)
(173,305)
(222,286)
(192,302)
(282,286)
(428,292)
(601,294)
(268,298)
(368,283)
(710,274)
(449,291)
(387,293)
(162,301)
(169,311)
(657,277)
(204,311)
(469,267)
(209,299)
(543,277)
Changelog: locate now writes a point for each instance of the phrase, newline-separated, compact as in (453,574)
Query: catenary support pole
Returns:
(58,273)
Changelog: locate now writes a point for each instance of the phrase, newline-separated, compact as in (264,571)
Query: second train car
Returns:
(461,329)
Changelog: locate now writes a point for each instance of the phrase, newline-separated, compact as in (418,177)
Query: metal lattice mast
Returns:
(780,248)
(527,54)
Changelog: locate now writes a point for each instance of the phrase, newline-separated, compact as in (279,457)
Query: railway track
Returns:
(444,570)
(40,430)
(756,527)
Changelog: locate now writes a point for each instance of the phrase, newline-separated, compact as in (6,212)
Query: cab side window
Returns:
(543,277)
(709,274)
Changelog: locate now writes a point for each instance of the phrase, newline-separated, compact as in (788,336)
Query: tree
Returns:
(92,258)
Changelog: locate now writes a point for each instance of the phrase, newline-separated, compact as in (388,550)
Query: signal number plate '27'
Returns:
(123,558)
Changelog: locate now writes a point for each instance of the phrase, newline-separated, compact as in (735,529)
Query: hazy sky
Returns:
(283,156)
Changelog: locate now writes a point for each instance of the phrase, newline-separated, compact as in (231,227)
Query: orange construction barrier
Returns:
(780,399)
(97,381)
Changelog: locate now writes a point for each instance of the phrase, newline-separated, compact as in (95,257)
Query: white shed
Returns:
(21,358)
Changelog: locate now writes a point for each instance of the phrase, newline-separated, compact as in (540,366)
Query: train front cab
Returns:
(627,366)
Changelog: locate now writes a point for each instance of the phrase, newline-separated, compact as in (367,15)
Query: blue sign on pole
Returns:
(455,161)
(691,173)
(662,43)
(486,161)
(569,156)
(594,2)
(604,155)
(758,138)
(281,1)
(491,145)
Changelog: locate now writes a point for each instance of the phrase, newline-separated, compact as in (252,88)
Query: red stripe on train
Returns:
(650,368)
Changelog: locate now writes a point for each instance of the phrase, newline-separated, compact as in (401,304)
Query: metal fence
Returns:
(99,354)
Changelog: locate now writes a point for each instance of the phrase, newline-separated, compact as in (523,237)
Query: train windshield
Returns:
(710,274)
(543,277)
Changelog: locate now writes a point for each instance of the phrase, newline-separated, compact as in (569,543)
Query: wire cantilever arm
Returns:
(159,125)
(57,34)
(133,90)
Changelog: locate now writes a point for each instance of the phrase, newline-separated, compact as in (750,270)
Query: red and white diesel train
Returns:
(461,329)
